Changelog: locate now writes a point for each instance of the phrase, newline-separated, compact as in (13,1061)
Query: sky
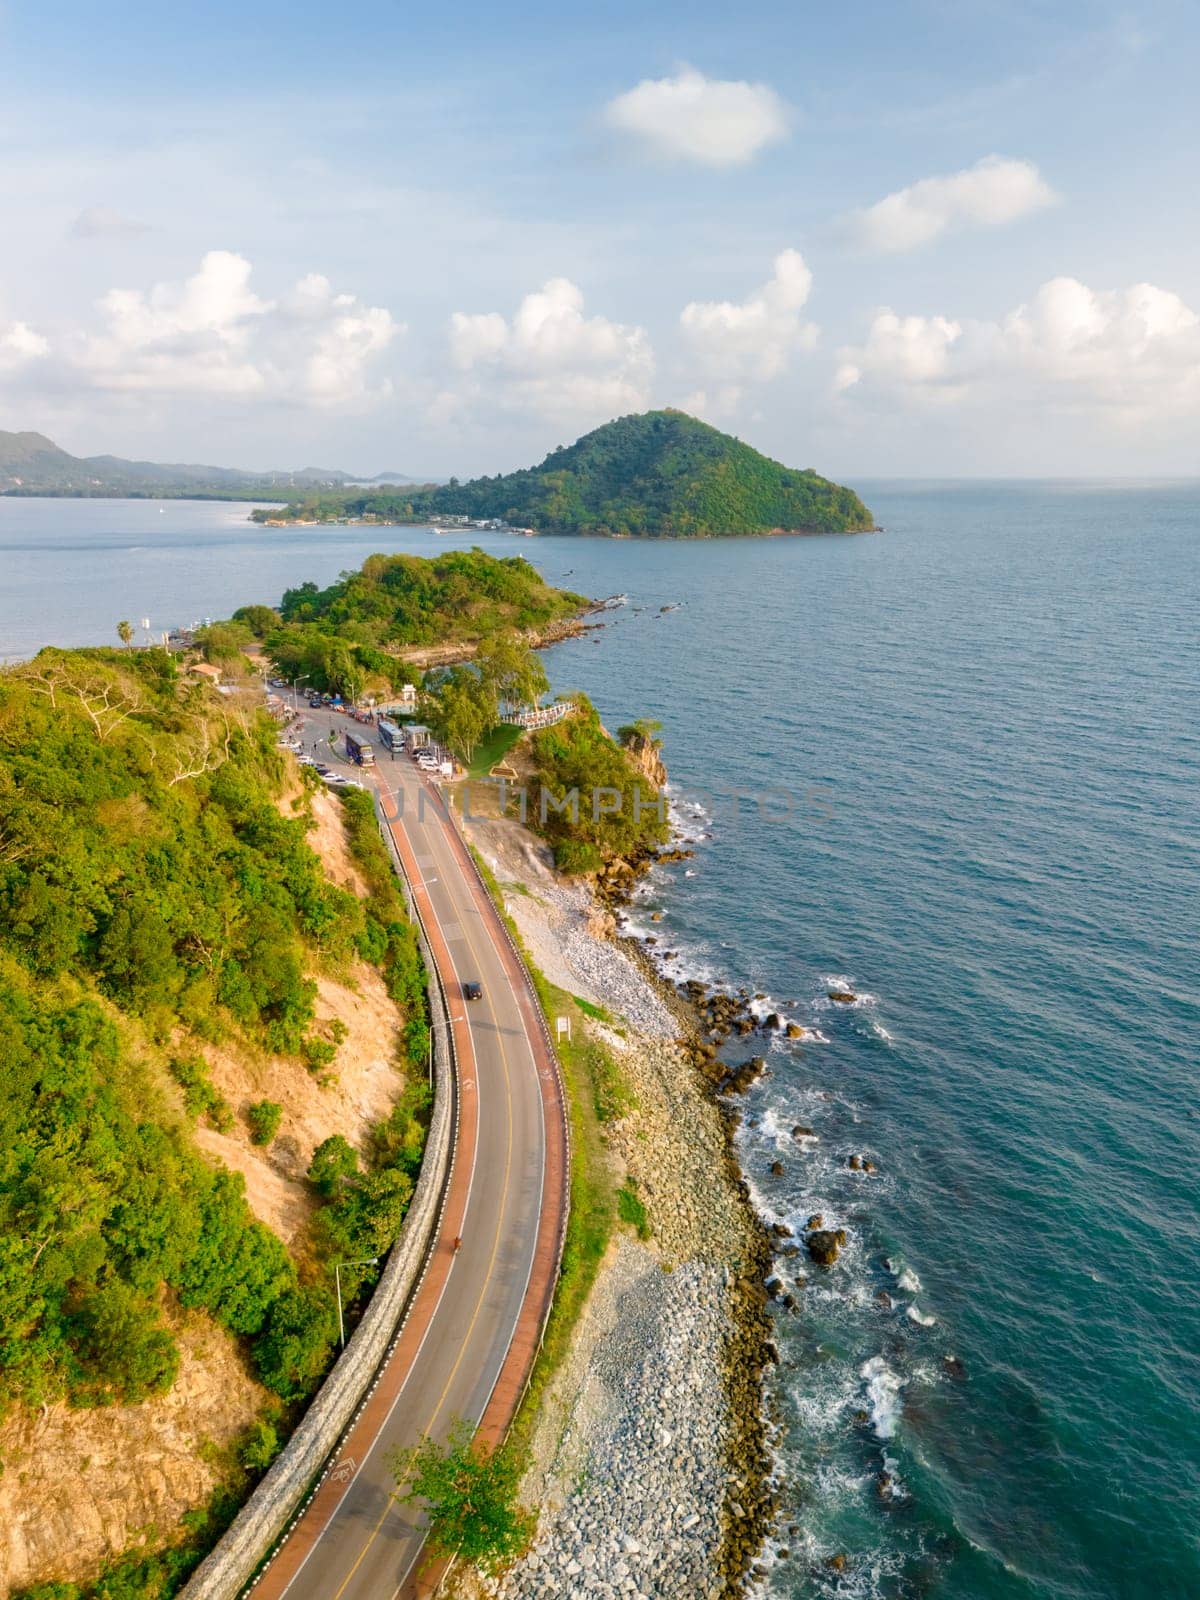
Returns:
(920,238)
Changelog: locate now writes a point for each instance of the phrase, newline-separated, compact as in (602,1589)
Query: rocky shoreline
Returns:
(650,1461)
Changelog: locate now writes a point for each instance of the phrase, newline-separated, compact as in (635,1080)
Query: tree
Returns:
(333,1164)
(470,1492)
(293,1349)
(259,619)
(127,1353)
(460,706)
(125,633)
(513,671)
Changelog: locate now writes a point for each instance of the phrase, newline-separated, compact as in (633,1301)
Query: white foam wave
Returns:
(884,1388)
(909,1281)
(922,1318)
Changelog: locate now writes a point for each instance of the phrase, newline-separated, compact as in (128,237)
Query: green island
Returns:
(658,474)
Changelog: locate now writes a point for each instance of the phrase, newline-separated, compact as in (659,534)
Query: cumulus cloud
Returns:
(212,334)
(756,337)
(551,358)
(711,121)
(993,192)
(19,345)
(1134,352)
(101,222)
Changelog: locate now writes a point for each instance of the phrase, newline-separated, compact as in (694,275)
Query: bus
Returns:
(391,735)
(359,750)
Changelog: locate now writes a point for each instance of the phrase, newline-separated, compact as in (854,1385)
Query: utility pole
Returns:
(371,1261)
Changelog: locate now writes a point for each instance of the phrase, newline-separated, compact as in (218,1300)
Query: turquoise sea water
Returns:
(978,734)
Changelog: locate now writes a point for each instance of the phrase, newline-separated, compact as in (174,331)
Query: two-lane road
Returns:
(473,1324)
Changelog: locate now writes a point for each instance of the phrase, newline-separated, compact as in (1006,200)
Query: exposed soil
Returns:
(80,1486)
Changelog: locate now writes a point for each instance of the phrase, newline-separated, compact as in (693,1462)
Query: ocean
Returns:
(951,768)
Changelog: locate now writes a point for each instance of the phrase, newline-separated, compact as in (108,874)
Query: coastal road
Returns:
(473,1325)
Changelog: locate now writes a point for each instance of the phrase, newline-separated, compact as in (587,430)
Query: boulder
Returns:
(773,1023)
(844,997)
(777,1169)
(795,1031)
(825,1244)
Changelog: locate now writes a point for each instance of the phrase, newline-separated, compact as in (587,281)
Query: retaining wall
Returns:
(302,1463)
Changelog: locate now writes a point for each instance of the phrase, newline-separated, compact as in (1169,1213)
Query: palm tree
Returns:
(125,633)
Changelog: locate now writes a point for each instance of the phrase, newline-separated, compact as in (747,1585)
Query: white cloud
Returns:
(212,334)
(904,352)
(715,122)
(100,222)
(19,345)
(754,337)
(1133,353)
(550,359)
(993,192)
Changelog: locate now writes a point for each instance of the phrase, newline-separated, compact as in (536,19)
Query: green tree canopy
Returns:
(470,1495)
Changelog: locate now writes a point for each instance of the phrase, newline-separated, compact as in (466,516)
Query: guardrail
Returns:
(266,1520)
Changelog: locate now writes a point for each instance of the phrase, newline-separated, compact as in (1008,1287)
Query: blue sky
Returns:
(917,238)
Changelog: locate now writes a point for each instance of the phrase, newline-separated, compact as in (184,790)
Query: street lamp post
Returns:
(371,1261)
(296,682)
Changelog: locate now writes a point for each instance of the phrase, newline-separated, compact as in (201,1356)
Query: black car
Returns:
(473,991)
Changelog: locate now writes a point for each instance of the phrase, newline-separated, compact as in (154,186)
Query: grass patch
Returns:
(493,747)
(631,1210)
(590,1010)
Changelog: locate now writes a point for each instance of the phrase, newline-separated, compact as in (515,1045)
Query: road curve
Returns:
(472,1328)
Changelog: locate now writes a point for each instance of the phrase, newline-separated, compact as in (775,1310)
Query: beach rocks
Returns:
(643,1451)
(773,1023)
(844,997)
(802,1131)
(825,1244)
(795,1031)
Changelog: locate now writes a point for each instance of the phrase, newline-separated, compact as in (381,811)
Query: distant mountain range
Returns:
(31,464)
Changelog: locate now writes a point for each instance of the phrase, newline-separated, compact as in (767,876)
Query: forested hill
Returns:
(661,473)
(157,905)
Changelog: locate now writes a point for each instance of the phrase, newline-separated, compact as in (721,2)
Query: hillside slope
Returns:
(204,1036)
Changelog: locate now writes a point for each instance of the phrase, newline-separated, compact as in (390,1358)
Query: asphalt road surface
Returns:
(474,1322)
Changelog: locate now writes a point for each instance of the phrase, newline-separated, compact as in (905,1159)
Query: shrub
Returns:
(200,1098)
(258,1446)
(264,1117)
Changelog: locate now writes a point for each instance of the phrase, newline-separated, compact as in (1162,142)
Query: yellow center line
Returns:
(374,1534)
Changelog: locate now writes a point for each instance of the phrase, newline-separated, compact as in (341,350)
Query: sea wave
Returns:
(884,1390)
